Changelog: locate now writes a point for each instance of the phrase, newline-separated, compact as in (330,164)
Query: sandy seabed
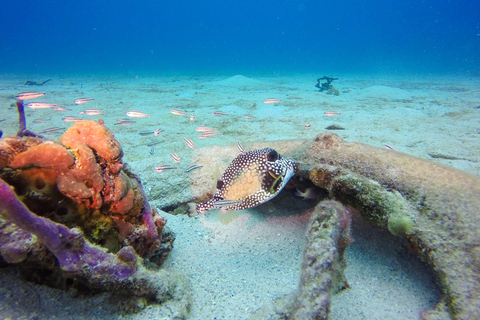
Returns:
(238,268)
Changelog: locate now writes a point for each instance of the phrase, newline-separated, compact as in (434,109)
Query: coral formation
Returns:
(75,211)
(85,174)
(83,261)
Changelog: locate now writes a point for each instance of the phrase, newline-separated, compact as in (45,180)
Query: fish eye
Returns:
(272,156)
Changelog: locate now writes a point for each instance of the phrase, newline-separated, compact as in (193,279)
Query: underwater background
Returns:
(408,81)
(247,37)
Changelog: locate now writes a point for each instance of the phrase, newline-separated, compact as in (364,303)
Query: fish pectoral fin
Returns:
(226,217)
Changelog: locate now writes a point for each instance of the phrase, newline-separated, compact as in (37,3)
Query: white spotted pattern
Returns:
(251,179)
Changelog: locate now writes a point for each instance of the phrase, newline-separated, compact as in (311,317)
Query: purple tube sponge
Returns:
(22,122)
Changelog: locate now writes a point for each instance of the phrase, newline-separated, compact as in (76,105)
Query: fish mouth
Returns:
(281,180)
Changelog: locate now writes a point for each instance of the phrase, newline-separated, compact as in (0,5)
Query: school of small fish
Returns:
(252,178)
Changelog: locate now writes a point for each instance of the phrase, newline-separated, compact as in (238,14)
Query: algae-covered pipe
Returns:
(434,206)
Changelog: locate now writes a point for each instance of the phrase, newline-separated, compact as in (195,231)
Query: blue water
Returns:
(247,37)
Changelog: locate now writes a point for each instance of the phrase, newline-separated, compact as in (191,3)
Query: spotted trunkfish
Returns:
(253,178)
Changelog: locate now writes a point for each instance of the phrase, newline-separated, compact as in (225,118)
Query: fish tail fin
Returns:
(226,217)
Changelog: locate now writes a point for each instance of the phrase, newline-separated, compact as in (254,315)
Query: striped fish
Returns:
(136,114)
(192,167)
(178,113)
(208,135)
(52,130)
(40,105)
(163,168)
(204,129)
(219,114)
(175,157)
(29,95)
(83,100)
(189,143)
(71,119)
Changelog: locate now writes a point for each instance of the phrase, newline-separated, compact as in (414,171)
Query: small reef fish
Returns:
(83,100)
(331,113)
(40,105)
(153,143)
(175,157)
(136,114)
(124,123)
(208,135)
(52,130)
(240,148)
(163,168)
(157,132)
(307,126)
(204,129)
(192,167)
(201,136)
(220,114)
(189,143)
(253,178)
(91,112)
(38,121)
(310,193)
(192,117)
(270,101)
(390,147)
(248,116)
(178,113)
(71,119)
(145,133)
(125,120)
(29,95)
(61,109)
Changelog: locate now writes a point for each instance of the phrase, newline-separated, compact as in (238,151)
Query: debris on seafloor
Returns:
(325,84)
(434,207)
(34,83)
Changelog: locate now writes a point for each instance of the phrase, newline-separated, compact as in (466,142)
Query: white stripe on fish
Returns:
(204,129)
(189,143)
(192,167)
(83,100)
(178,113)
(40,105)
(163,168)
(71,119)
(136,114)
(175,157)
(91,112)
(29,95)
